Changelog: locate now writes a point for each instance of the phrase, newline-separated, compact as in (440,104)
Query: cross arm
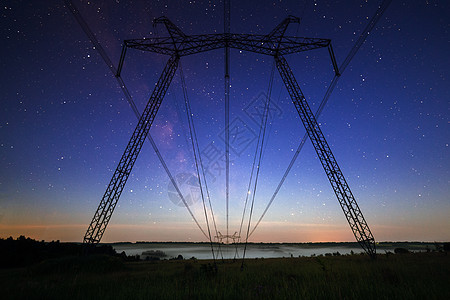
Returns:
(193,44)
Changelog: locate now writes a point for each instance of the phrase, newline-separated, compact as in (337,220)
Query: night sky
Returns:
(64,121)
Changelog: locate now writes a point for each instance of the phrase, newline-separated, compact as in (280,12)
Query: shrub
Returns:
(447,246)
(401,251)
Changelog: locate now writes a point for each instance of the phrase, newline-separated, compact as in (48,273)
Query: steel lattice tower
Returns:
(275,44)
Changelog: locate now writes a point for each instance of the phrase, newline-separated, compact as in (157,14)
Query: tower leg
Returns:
(345,197)
(106,207)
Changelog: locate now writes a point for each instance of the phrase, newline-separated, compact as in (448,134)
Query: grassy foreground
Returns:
(406,276)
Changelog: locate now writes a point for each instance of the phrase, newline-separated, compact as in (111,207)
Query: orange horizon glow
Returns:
(284,233)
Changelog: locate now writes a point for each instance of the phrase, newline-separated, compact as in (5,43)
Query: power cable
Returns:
(198,161)
(130,100)
(226,29)
(381,9)
(261,136)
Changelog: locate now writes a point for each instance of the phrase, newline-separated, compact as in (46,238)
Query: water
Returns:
(203,251)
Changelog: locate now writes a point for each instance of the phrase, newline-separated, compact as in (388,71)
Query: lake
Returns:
(203,251)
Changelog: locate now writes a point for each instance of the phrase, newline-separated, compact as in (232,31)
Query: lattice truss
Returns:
(274,44)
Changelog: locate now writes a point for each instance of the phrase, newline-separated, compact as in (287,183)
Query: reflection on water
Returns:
(203,251)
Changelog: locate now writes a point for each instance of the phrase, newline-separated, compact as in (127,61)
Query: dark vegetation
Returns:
(408,275)
(24,251)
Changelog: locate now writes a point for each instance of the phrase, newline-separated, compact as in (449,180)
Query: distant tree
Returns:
(401,251)
(446,246)
(438,246)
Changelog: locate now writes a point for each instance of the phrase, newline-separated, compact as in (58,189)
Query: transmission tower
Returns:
(274,44)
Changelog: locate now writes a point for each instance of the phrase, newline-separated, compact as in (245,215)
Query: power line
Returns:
(362,37)
(262,134)
(198,161)
(226,29)
(130,100)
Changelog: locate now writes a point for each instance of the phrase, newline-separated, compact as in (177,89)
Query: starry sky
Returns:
(64,121)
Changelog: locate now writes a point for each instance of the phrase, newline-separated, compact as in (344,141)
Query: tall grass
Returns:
(408,276)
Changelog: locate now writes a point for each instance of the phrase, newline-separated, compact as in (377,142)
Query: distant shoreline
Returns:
(321,244)
(266,250)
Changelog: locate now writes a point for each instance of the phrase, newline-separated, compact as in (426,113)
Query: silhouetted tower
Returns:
(275,44)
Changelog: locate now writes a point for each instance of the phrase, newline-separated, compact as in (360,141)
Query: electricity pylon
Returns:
(275,44)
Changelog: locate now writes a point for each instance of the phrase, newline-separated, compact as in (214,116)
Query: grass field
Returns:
(405,276)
